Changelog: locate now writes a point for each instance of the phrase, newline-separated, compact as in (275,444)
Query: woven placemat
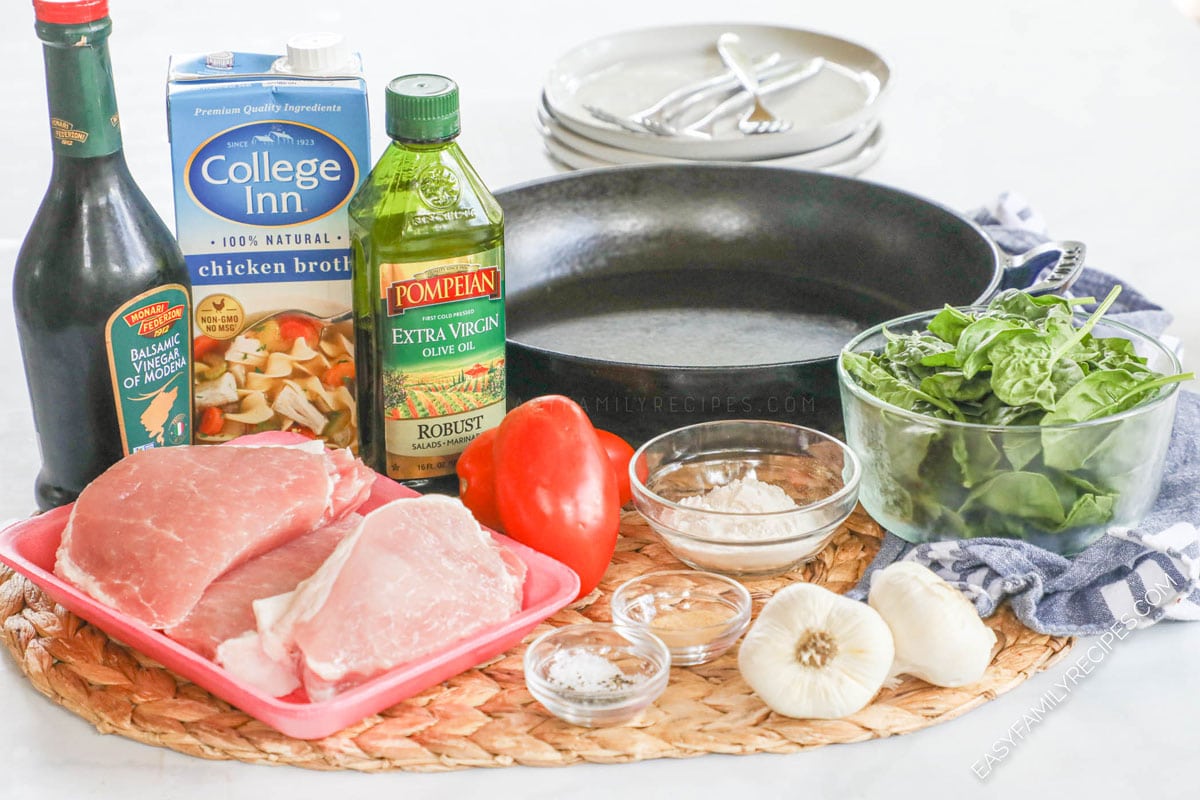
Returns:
(485,717)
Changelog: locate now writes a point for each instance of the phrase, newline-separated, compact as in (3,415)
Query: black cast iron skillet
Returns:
(662,295)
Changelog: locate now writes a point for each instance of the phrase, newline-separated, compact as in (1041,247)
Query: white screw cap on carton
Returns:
(219,60)
(316,54)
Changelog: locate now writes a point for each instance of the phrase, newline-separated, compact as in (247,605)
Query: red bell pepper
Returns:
(620,453)
(477,479)
(555,488)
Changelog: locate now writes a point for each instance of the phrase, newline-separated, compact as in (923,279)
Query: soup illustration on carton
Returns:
(267,151)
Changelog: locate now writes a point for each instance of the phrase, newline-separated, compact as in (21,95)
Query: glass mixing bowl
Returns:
(698,615)
(1056,486)
(816,471)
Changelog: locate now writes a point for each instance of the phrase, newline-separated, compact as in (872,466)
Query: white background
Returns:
(1089,109)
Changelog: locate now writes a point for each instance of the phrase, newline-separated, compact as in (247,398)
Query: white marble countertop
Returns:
(1091,110)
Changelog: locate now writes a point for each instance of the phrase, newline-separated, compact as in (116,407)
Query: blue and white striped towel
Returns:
(1128,577)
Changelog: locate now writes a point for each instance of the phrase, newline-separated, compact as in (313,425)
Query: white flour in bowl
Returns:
(743,545)
(747,495)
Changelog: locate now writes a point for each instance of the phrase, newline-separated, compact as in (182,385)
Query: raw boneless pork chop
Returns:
(416,575)
(226,610)
(152,533)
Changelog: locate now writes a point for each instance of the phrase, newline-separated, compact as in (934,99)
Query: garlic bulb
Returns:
(813,653)
(938,634)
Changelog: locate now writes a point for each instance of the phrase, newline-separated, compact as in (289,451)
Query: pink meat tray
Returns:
(29,547)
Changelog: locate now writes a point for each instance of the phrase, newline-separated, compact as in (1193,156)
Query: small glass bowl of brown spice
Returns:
(698,615)
(595,674)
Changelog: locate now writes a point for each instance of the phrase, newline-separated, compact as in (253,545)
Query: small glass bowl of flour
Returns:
(746,498)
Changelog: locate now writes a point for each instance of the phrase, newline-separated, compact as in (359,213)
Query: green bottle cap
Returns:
(422,108)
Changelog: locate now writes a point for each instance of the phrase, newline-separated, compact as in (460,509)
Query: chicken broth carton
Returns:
(266,153)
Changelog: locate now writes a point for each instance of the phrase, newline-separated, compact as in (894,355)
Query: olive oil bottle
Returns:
(100,290)
(428,276)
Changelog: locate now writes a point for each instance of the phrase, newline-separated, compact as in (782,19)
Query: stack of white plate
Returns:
(834,113)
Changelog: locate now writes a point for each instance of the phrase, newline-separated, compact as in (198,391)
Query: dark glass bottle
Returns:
(100,289)
(428,245)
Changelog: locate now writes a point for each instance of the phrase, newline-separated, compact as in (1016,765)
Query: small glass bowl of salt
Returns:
(746,498)
(596,674)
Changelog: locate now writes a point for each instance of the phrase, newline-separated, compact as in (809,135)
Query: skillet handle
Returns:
(1063,260)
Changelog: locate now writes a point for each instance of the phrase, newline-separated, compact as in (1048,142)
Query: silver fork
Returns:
(757,119)
(740,101)
(649,125)
(652,119)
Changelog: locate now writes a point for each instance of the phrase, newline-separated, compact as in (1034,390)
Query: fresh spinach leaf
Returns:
(865,368)
(1024,495)
(949,324)
(1088,509)
(953,386)
(977,455)
(911,398)
(975,343)
(905,354)
(1021,304)
(947,358)
(1106,392)
(1022,371)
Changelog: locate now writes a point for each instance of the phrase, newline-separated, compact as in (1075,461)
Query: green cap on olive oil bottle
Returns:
(422,108)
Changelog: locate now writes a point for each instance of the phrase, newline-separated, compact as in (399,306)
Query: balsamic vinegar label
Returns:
(149,356)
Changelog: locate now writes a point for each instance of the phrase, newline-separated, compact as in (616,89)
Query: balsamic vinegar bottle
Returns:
(100,290)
